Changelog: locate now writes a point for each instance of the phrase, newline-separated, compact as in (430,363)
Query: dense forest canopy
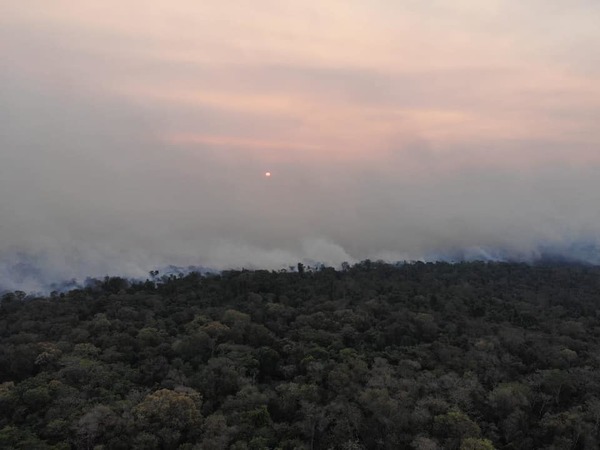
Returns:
(373,356)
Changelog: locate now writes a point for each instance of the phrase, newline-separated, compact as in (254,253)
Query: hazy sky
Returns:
(135,133)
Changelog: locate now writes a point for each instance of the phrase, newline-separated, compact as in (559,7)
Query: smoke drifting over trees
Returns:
(127,145)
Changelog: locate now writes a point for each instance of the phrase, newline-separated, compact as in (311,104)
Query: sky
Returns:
(136,134)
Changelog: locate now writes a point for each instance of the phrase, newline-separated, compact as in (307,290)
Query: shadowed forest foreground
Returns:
(374,356)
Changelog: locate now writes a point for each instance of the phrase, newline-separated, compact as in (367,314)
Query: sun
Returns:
(267,174)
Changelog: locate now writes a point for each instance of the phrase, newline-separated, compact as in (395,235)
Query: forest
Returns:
(424,356)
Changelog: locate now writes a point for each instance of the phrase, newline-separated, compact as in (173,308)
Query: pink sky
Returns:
(340,79)
(391,127)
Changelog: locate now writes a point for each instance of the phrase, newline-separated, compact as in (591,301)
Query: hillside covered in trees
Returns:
(374,356)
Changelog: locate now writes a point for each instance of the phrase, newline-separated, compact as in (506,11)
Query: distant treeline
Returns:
(373,356)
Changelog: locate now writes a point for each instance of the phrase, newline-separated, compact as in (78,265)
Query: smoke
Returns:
(85,192)
(128,147)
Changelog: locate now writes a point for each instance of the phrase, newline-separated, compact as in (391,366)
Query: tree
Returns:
(169,414)
(453,427)
(476,444)
(93,424)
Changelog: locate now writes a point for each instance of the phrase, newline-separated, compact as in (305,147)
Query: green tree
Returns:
(169,415)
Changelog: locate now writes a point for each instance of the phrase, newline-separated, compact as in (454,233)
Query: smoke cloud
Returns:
(132,139)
